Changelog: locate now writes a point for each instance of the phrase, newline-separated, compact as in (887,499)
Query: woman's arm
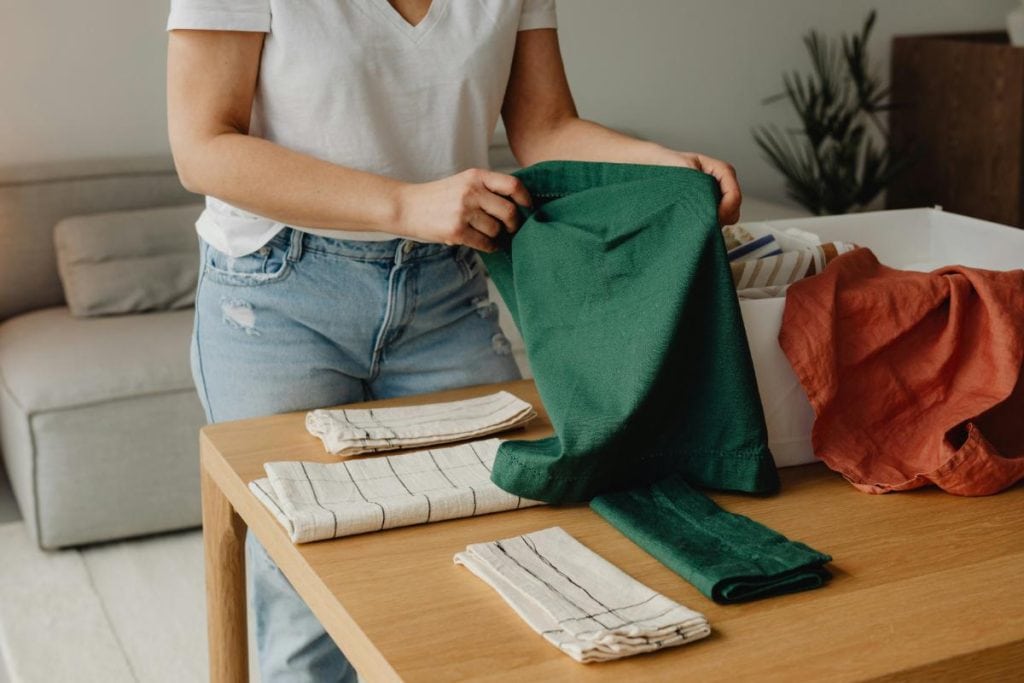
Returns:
(542,123)
(211,82)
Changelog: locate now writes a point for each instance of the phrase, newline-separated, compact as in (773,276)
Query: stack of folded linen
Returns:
(742,244)
(353,431)
(577,600)
(764,266)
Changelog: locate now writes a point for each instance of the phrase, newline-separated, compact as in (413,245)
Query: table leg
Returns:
(224,546)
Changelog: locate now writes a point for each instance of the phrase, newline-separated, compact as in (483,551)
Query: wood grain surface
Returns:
(960,111)
(926,585)
(224,556)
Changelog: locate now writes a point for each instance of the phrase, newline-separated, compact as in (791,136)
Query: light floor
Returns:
(131,611)
(8,508)
(8,513)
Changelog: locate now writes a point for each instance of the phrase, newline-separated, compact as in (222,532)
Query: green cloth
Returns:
(619,282)
(728,557)
(620,285)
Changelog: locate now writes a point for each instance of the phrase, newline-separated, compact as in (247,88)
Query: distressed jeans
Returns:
(310,321)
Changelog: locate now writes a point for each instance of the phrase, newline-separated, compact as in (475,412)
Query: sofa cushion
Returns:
(50,360)
(33,198)
(128,261)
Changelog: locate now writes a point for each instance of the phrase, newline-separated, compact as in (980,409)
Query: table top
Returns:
(925,583)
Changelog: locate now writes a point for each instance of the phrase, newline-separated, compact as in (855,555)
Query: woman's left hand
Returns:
(724,173)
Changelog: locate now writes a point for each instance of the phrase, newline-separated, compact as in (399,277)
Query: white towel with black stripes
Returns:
(577,600)
(317,501)
(350,431)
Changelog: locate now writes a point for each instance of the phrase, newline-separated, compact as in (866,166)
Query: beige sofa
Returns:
(98,416)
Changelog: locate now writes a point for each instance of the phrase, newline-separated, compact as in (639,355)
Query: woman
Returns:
(367,123)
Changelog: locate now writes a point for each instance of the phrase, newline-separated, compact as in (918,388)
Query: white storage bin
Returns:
(909,239)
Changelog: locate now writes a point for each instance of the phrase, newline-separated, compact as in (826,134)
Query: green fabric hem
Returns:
(728,557)
(744,589)
(556,179)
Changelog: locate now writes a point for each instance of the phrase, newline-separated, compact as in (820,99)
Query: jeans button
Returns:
(407,247)
(264,251)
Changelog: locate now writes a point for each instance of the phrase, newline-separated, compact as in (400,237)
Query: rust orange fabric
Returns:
(915,378)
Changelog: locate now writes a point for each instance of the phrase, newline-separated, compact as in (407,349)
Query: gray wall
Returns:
(81,79)
(86,79)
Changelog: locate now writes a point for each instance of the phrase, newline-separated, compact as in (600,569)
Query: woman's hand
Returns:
(470,208)
(724,173)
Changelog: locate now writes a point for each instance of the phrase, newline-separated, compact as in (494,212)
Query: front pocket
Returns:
(267,264)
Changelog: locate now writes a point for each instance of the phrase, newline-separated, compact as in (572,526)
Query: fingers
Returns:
(507,186)
(501,209)
(483,222)
(486,212)
(732,197)
(477,240)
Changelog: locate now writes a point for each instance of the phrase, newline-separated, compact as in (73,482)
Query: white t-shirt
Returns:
(353,83)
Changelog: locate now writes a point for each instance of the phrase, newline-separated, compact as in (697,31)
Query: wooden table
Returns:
(927,585)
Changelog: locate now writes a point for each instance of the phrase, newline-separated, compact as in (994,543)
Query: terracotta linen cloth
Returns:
(915,378)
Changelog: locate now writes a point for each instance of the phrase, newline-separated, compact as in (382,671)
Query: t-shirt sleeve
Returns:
(537,14)
(220,15)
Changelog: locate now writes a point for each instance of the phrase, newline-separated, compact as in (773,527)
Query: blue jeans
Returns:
(310,321)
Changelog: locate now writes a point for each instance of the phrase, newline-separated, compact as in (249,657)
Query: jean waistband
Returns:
(295,242)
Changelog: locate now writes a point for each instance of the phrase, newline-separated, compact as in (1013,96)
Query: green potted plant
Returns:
(841,157)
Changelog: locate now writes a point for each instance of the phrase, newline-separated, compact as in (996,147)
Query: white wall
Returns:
(86,79)
(81,79)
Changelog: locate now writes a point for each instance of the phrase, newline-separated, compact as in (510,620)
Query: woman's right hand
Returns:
(470,208)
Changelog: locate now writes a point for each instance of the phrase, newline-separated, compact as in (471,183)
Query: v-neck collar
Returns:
(413,32)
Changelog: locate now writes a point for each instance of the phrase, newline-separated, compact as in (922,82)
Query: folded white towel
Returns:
(577,600)
(367,430)
(317,501)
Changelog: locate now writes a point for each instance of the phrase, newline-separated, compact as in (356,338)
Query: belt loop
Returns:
(402,250)
(295,238)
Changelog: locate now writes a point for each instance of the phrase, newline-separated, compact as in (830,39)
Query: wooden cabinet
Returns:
(960,111)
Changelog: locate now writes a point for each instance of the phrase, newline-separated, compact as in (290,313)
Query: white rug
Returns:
(126,611)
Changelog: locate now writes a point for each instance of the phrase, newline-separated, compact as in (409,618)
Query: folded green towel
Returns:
(620,285)
(728,557)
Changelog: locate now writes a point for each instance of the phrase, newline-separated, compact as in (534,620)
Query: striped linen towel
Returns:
(784,268)
(364,430)
(577,600)
(741,245)
(317,501)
